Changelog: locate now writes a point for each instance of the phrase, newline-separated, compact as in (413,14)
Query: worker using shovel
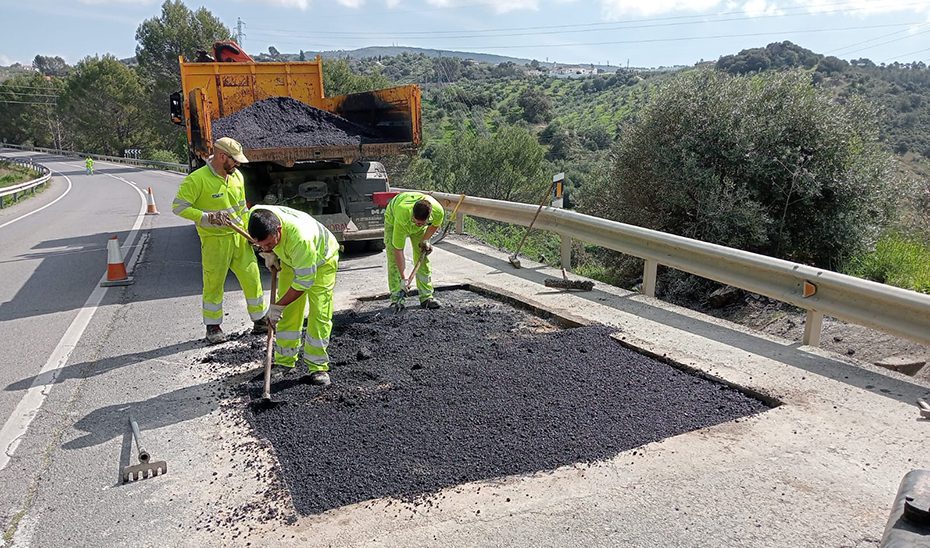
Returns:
(306,255)
(416,216)
(213,197)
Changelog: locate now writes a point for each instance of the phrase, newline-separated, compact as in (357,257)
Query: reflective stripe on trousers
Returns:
(316,305)
(219,255)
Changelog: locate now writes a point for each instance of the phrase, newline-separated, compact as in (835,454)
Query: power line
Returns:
(27,94)
(908,53)
(614,25)
(871,40)
(26,102)
(886,42)
(681,39)
(43,88)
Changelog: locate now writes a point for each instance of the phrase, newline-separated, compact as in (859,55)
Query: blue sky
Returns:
(641,33)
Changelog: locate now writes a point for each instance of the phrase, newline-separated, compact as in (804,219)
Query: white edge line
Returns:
(28,407)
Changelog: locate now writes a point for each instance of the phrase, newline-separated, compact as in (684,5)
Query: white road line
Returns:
(67,190)
(28,408)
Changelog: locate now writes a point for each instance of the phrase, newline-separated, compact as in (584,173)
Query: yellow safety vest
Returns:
(305,244)
(203,192)
(399,216)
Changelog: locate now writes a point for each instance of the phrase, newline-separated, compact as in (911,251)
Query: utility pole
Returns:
(239,34)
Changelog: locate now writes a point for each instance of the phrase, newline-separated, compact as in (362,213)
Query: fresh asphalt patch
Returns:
(428,399)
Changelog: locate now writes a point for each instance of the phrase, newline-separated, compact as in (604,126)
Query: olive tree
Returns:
(767,163)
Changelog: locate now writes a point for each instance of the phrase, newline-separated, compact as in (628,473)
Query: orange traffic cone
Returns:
(150,208)
(116,269)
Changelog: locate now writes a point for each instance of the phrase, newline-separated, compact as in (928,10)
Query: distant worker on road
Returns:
(416,216)
(306,255)
(89,164)
(213,197)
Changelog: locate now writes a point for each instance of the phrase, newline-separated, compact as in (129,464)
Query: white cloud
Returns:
(615,9)
(300,4)
(499,6)
(5,61)
(105,2)
(755,8)
(392,3)
(351,3)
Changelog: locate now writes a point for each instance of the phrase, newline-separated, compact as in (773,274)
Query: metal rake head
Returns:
(144,470)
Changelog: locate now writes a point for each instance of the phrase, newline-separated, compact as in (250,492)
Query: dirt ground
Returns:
(854,341)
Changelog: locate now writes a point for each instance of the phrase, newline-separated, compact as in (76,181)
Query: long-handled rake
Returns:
(514,260)
(146,467)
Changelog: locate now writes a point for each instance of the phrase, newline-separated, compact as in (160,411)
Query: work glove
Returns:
(426,247)
(218,218)
(273,316)
(271,261)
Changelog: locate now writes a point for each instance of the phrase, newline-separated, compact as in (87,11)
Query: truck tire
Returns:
(375,245)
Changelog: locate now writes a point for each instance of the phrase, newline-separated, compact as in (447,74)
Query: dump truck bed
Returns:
(389,118)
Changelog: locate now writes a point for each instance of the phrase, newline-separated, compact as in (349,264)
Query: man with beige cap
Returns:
(213,196)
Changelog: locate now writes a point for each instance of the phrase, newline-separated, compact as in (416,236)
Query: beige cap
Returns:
(232,148)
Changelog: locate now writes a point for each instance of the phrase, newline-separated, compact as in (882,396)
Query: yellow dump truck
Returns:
(333,181)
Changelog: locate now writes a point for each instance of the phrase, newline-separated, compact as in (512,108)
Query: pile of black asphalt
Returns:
(283,122)
(428,399)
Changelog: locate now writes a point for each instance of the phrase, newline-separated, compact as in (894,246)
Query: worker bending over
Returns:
(416,216)
(89,165)
(213,197)
(307,256)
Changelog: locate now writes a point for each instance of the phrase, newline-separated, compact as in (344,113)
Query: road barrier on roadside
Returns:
(15,191)
(820,292)
(169,166)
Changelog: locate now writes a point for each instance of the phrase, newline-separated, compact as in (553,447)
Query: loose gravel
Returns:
(283,122)
(477,390)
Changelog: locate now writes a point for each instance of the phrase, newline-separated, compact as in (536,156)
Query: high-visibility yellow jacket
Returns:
(89,162)
(399,216)
(305,244)
(203,192)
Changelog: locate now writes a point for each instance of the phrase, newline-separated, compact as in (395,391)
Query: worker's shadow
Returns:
(186,404)
(84,370)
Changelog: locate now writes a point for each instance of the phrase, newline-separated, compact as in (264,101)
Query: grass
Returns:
(898,260)
(540,246)
(12,174)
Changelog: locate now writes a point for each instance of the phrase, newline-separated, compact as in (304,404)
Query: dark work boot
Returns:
(431,304)
(215,334)
(260,327)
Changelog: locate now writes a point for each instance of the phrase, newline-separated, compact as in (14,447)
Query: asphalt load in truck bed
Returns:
(282,122)
(429,399)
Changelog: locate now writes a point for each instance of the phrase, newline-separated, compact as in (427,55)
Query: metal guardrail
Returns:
(820,292)
(169,166)
(29,186)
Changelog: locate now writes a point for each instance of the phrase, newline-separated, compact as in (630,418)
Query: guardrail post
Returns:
(460,223)
(650,269)
(566,251)
(813,325)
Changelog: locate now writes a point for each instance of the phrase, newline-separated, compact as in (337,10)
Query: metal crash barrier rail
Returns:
(169,166)
(14,191)
(820,292)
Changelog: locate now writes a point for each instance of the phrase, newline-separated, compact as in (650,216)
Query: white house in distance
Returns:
(572,71)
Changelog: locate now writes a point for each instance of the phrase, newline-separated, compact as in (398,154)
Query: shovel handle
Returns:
(266,391)
(243,233)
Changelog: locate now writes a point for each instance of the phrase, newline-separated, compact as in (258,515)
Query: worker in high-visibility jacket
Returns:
(214,197)
(416,216)
(89,164)
(306,255)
